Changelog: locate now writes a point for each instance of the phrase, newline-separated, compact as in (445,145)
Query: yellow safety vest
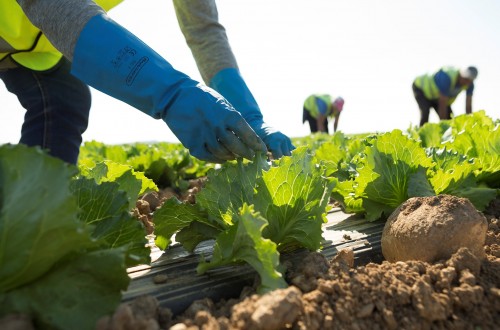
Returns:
(26,44)
(311,105)
(428,85)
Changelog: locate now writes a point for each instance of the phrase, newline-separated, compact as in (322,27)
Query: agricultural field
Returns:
(71,235)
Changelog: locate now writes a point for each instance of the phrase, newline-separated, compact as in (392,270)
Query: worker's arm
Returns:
(468,98)
(111,59)
(336,122)
(205,36)
(61,21)
(207,39)
(468,104)
(443,106)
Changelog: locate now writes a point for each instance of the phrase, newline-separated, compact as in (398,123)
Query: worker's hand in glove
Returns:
(114,61)
(277,143)
(209,126)
(231,85)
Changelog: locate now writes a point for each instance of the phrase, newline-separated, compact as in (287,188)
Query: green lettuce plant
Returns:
(66,240)
(252,211)
(460,157)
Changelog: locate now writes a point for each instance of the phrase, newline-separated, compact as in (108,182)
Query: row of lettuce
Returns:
(68,237)
(375,173)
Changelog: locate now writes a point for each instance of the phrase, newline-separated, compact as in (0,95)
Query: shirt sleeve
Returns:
(61,21)
(443,82)
(205,36)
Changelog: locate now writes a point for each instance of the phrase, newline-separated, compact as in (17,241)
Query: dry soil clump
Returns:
(433,228)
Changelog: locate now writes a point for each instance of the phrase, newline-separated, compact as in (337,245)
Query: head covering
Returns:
(469,72)
(339,103)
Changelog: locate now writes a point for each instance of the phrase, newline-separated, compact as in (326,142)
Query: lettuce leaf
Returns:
(483,144)
(386,173)
(74,294)
(243,242)
(173,216)
(132,182)
(293,196)
(230,187)
(106,207)
(39,225)
(50,266)
(455,176)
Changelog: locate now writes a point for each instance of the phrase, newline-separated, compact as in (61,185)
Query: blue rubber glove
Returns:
(114,61)
(231,85)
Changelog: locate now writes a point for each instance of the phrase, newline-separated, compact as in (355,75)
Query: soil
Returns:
(461,292)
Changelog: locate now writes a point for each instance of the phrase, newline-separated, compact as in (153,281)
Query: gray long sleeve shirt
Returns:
(62,21)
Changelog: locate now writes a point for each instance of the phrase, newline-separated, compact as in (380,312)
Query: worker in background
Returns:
(51,50)
(439,90)
(318,108)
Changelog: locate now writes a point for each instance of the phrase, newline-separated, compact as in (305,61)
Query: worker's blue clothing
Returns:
(443,82)
(322,106)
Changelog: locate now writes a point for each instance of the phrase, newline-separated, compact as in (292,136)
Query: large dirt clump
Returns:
(433,228)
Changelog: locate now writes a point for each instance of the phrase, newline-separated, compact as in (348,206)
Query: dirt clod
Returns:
(433,228)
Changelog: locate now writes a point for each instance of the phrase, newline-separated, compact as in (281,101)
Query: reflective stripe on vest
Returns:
(26,44)
(428,85)
(311,105)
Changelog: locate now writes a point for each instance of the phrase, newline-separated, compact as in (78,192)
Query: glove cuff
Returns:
(231,85)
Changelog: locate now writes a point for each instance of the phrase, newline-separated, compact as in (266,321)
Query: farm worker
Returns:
(51,50)
(440,89)
(318,108)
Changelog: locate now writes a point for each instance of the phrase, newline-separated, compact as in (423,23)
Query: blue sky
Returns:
(366,51)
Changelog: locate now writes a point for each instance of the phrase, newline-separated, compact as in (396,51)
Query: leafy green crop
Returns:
(167,164)
(459,157)
(386,174)
(133,183)
(244,241)
(64,239)
(39,223)
(253,211)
